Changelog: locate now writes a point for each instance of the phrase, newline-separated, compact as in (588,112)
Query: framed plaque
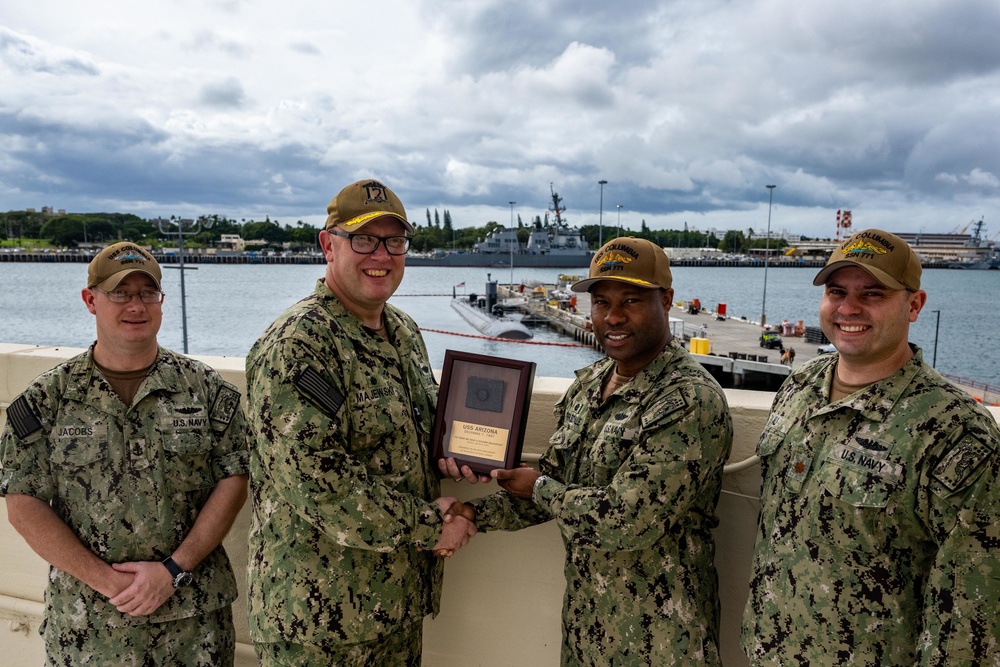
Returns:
(482,410)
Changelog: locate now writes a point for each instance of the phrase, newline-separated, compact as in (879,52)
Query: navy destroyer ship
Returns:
(554,245)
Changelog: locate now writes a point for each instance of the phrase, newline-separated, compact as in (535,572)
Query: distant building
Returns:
(775,234)
(232,242)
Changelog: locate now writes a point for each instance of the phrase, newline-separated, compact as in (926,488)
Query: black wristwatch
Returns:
(181,578)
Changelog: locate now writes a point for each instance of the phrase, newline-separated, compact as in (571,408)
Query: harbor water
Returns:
(229,306)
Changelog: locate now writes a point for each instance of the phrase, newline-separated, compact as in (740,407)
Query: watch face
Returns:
(183,579)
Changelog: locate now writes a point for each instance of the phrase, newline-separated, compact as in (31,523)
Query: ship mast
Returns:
(555,208)
(977,231)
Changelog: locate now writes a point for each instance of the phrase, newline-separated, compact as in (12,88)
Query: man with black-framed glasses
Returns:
(341,402)
(124,468)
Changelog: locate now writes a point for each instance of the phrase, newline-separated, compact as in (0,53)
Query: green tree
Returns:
(303,236)
(62,231)
(267,230)
(447,231)
(733,241)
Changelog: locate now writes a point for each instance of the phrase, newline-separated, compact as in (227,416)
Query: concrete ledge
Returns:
(482,608)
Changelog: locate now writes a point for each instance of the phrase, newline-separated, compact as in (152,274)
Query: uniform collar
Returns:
(400,335)
(880,397)
(636,389)
(87,385)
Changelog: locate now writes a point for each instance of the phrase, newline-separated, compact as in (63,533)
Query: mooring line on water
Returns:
(426,295)
(505,340)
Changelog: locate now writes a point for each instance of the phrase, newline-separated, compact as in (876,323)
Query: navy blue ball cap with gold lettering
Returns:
(119,260)
(886,257)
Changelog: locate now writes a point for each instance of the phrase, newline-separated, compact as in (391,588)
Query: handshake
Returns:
(459,526)
(460,518)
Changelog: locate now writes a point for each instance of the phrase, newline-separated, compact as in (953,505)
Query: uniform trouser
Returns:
(400,649)
(207,640)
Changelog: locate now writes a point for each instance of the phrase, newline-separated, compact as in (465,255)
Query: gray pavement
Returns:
(741,336)
(728,335)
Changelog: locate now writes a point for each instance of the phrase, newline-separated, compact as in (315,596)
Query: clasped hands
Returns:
(459,518)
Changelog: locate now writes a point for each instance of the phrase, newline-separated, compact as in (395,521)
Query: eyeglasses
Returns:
(124,296)
(366,244)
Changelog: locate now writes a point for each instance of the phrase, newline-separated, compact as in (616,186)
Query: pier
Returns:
(730,348)
(198,256)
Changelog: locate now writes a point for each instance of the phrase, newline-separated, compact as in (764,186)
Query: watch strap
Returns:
(180,577)
(173,568)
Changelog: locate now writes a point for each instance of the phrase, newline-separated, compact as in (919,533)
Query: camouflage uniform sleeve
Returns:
(24,461)
(685,440)
(502,511)
(962,595)
(230,455)
(307,463)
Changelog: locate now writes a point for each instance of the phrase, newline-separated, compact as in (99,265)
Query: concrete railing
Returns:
(502,594)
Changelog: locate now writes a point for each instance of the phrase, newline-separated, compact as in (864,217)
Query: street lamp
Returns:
(937,326)
(512,244)
(619,219)
(767,254)
(185,227)
(600,218)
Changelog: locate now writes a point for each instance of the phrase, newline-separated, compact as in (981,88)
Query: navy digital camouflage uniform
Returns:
(879,530)
(129,482)
(341,481)
(633,485)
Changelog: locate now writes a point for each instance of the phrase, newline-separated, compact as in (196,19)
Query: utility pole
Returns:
(600,217)
(767,254)
(185,227)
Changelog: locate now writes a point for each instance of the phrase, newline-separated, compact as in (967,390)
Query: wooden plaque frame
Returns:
(482,410)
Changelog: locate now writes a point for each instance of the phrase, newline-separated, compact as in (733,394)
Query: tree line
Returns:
(72,230)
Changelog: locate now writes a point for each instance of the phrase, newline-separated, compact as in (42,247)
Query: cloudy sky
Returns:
(688,108)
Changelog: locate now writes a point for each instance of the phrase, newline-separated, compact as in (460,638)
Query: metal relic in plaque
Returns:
(482,410)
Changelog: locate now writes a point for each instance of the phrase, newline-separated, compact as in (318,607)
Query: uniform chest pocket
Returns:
(380,433)
(608,453)
(186,460)
(769,442)
(852,512)
(80,462)
(563,449)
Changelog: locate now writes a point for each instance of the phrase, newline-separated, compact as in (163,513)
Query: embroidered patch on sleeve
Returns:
(226,402)
(319,391)
(961,462)
(22,418)
(669,405)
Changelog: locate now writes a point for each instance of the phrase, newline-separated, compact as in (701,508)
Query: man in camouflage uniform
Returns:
(632,478)
(124,468)
(879,530)
(342,402)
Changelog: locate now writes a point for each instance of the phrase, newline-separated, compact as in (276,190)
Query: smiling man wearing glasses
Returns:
(124,468)
(341,403)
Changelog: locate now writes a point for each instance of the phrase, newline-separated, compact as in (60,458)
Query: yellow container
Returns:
(699,346)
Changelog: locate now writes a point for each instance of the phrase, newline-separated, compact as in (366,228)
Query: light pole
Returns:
(767,254)
(512,244)
(600,217)
(185,227)
(619,219)
(937,326)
